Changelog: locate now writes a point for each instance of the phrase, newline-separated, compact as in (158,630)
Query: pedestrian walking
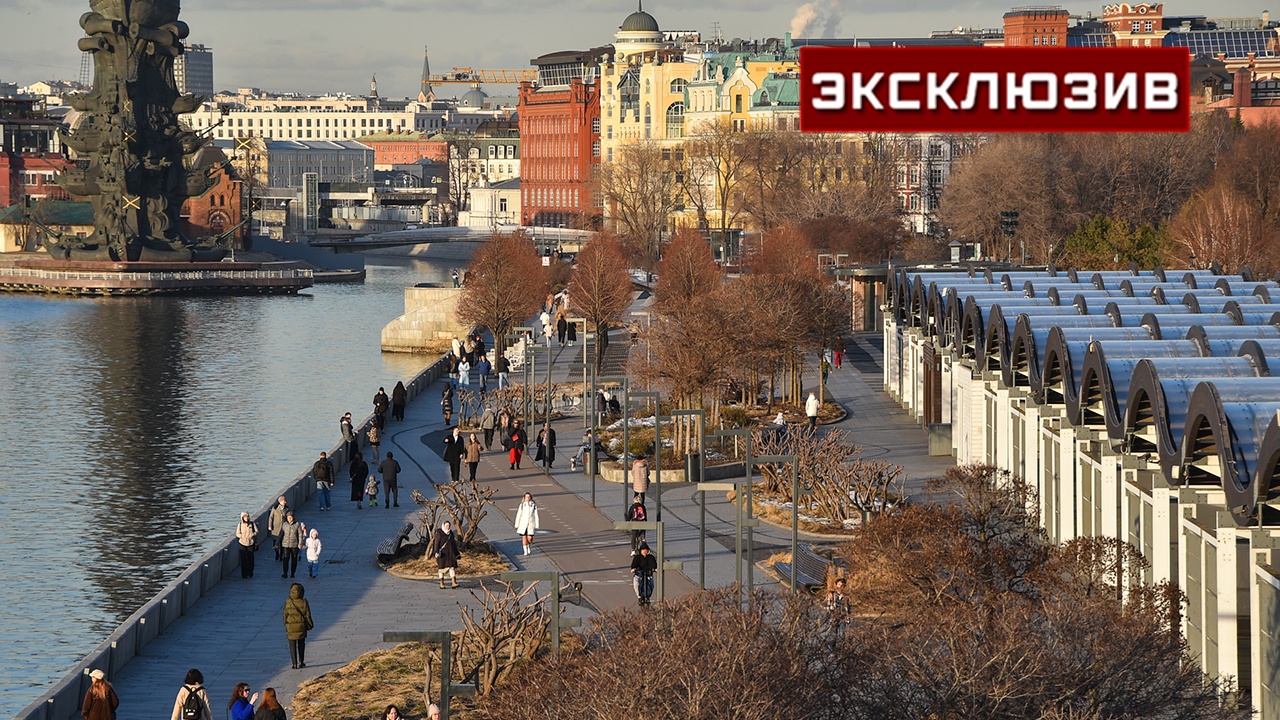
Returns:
(323,473)
(292,533)
(456,282)
(381,404)
(275,521)
(357,472)
(247,537)
(371,489)
(546,446)
(488,423)
(399,396)
(838,354)
(447,554)
(270,709)
(314,548)
(836,601)
(446,403)
(192,702)
(454,449)
(348,435)
(824,366)
(573,333)
(811,407)
(100,701)
(455,346)
(472,452)
(241,705)
(375,439)
(464,373)
(527,522)
(548,331)
(483,368)
(588,439)
(643,566)
(390,470)
(503,367)
(636,512)
(480,346)
(516,444)
(297,623)
(469,349)
(562,328)
(640,477)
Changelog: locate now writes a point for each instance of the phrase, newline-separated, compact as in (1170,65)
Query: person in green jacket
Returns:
(297,622)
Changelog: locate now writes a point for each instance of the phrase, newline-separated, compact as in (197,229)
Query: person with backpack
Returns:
(241,705)
(643,566)
(371,490)
(322,471)
(101,701)
(297,623)
(192,702)
(637,513)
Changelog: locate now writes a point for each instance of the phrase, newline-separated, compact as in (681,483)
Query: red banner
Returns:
(947,89)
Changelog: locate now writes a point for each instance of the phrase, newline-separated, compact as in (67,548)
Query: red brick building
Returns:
(404,149)
(560,141)
(30,153)
(1036,27)
(221,207)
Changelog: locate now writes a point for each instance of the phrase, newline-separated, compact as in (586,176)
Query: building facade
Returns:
(348,120)
(560,137)
(282,163)
(391,149)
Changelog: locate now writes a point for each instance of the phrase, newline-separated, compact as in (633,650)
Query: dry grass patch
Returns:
(781,516)
(478,560)
(364,688)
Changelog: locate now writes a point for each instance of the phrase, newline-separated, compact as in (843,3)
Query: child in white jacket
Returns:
(313,552)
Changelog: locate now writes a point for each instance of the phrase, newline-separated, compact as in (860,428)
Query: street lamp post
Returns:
(525,332)
(796,492)
(747,507)
(701,414)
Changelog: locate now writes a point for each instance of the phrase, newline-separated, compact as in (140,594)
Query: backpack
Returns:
(638,513)
(192,707)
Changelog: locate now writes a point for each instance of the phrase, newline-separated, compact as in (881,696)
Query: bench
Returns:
(811,570)
(390,548)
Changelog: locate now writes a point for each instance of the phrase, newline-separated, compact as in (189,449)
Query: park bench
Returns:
(390,548)
(811,570)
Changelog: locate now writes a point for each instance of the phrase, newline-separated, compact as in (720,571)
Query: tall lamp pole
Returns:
(796,492)
(746,507)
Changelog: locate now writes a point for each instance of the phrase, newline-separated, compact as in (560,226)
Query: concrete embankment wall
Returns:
(304,252)
(63,701)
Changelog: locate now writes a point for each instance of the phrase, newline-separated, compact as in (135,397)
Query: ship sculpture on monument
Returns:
(132,156)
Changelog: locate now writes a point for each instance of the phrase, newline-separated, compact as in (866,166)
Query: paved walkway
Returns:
(235,634)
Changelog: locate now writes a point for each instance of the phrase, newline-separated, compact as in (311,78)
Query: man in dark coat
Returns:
(323,473)
(547,446)
(390,470)
(381,404)
(453,449)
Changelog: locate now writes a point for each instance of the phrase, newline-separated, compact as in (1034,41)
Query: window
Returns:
(902,203)
(666,154)
(915,203)
(1053,40)
(737,103)
(678,85)
(595,148)
(1136,26)
(608,133)
(935,177)
(595,126)
(1036,41)
(646,122)
(739,125)
(675,120)
(1148,26)
(915,176)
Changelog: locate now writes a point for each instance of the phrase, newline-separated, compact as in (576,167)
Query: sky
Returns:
(319,46)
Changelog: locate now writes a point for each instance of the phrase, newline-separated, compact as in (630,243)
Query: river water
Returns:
(134,430)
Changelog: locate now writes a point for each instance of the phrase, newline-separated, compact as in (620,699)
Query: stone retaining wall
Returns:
(63,701)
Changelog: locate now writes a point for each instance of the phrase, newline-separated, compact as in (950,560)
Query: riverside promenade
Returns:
(236,634)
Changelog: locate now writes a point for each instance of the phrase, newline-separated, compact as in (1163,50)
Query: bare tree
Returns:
(510,630)
(506,284)
(641,192)
(687,270)
(601,288)
(466,502)
(1223,225)
(718,157)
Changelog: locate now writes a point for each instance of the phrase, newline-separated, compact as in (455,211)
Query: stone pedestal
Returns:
(430,320)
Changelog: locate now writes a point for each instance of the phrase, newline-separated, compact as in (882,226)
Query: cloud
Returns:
(820,18)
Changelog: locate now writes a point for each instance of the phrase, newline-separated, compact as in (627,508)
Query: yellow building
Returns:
(642,87)
(750,89)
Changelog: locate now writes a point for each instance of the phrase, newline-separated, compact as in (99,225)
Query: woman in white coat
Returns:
(527,521)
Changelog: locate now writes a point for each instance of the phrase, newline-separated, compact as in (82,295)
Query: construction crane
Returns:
(472,76)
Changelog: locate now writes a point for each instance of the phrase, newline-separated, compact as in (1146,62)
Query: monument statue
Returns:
(131,153)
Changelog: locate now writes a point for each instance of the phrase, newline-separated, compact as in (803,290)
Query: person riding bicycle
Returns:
(642,568)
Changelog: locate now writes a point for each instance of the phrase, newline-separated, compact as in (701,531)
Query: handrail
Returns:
(294,273)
